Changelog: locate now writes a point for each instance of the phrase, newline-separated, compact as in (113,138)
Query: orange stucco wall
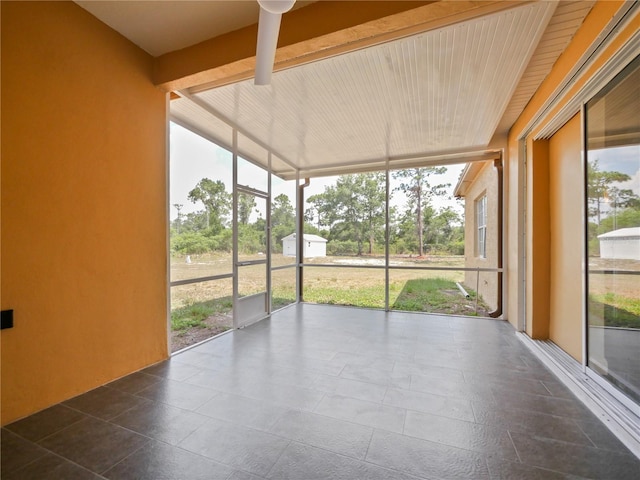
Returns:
(538,236)
(83,206)
(566,199)
(537,297)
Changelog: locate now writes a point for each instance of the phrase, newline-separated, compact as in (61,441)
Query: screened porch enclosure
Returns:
(396,239)
(386,153)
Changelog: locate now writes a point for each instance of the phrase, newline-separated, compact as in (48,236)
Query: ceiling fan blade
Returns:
(268,30)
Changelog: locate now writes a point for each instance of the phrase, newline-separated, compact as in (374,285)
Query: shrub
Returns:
(338,247)
(455,248)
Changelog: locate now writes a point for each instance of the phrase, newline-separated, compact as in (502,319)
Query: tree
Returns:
(283,220)
(416,185)
(216,200)
(246,204)
(599,188)
(352,209)
(282,212)
(373,197)
(178,207)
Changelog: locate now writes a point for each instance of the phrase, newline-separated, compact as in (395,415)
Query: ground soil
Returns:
(214,325)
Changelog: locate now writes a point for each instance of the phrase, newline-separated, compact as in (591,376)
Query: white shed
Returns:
(314,246)
(621,243)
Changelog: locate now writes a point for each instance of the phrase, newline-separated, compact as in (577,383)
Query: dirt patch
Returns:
(213,325)
(464,306)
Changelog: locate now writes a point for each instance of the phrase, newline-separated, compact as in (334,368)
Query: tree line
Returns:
(622,204)
(350,214)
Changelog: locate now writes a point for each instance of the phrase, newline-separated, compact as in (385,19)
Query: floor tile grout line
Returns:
(363,460)
(373,431)
(87,415)
(36,442)
(93,417)
(149,441)
(50,452)
(46,450)
(278,459)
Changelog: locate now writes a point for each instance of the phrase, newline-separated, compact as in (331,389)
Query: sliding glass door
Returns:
(613,211)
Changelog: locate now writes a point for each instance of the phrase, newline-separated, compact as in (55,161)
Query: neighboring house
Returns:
(314,246)
(623,243)
(478,186)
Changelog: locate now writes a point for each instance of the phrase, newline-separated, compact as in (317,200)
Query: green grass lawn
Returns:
(435,295)
(613,310)
(195,313)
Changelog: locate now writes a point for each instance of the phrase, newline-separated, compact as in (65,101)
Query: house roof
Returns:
(307,238)
(633,232)
(467,177)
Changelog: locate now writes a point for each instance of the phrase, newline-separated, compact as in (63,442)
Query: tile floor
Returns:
(320,392)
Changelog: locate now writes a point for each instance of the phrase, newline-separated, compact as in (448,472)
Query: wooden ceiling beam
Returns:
(320,30)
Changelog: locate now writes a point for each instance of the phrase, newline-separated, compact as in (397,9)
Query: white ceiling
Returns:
(162,26)
(439,93)
(436,93)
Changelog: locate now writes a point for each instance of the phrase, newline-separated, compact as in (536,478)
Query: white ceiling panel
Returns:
(438,92)
(568,16)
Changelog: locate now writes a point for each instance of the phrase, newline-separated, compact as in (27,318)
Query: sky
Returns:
(620,159)
(193,158)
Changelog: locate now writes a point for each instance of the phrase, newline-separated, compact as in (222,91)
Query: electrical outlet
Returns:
(6,319)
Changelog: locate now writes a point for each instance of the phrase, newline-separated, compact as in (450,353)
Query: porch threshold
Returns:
(618,418)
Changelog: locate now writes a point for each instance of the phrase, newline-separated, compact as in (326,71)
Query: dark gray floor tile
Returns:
(46,422)
(425,459)
(160,421)
(237,446)
(574,459)
(431,371)
(346,387)
(245,411)
(463,391)
(543,404)
(104,403)
(600,435)
(442,359)
(233,381)
(172,370)
(94,444)
(503,470)
(304,462)
(460,434)
(280,375)
(370,414)
(178,394)
(158,461)
(372,375)
(428,403)
(196,358)
(51,467)
(500,384)
(320,431)
(134,383)
(557,389)
(350,358)
(285,395)
(532,423)
(240,475)
(16,452)
(452,387)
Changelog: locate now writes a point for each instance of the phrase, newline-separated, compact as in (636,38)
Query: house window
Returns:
(481,233)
